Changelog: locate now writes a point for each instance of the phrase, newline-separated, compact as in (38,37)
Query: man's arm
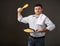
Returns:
(19,10)
(20,18)
(50,26)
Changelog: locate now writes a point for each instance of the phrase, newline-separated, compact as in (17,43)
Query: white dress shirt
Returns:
(37,22)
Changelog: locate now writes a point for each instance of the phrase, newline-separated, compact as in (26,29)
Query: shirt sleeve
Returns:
(23,19)
(50,24)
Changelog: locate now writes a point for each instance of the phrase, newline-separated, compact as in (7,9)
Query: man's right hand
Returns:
(19,10)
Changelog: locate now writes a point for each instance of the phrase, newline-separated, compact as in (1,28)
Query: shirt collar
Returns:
(36,16)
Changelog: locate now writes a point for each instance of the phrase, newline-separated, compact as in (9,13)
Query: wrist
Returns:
(42,30)
(45,29)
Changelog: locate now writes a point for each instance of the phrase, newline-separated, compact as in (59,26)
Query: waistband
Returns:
(37,37)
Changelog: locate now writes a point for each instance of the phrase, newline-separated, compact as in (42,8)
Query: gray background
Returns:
(11,31)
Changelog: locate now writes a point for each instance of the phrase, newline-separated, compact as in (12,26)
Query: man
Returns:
(39,22)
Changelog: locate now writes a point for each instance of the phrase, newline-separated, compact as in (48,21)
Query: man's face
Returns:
(38,10)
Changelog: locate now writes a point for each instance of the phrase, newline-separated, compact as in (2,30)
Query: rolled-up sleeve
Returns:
(23,19)
(50,24)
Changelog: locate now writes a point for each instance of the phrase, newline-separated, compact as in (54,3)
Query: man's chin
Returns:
(38,14)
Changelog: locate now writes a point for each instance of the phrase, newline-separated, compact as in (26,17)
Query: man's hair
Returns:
(38,5)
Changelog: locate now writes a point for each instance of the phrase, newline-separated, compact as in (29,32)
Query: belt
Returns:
(37,37)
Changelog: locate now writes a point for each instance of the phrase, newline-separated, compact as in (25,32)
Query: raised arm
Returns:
(20,18)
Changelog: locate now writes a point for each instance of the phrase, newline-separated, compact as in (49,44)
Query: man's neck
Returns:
(37,15)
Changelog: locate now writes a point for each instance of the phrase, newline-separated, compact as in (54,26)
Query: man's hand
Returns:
(42,30)
(19,10)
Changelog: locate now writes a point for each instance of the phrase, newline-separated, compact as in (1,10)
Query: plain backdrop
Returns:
(11,31)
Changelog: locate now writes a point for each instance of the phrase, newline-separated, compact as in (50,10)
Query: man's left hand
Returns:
(42,30)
